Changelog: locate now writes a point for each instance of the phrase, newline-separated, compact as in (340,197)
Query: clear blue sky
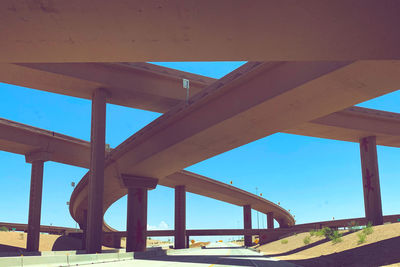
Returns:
(316,179)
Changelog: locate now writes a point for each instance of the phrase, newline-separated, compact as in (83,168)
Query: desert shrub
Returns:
(3,229)
(335,237)
(326,232)
(319,233)
(368,229)
(307,240)
(330,234)
(362,237)
(312,232)
(284,241)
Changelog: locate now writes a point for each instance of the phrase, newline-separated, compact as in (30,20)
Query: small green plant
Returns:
(307,240)
(319,233)
(335,237)
(362,237)
(327,232)
(3,229)
(368,229)
(313,232)
(284,241)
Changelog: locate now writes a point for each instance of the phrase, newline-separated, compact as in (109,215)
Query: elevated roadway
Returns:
(56,230)
(343,122)
(25,140)
(336,74)
(136,85)
(128,83)
(237,109)
(180,30)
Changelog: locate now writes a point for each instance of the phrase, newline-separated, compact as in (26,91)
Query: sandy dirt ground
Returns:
(380,249)
(198,244)
(150,243)
(16,241)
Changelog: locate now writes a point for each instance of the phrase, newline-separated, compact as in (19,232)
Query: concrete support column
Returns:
(96,176)
(247,224)
(35,206)
(84,229)
(283,224)
(136,225)
(370,178)
(187,241)
(270,220)
(180,217)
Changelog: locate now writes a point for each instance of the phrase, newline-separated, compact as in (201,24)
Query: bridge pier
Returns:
(270,220)
(136,225)
(94,225)
(370,179)
(247,225)
(283,224)
(35,206)
(83,226)
(35,198)
(180,217)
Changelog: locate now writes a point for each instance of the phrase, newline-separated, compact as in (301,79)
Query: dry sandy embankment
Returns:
(381,248)
(198,244)
(16,242)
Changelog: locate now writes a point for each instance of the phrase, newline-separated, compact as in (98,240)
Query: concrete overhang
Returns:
(207,30)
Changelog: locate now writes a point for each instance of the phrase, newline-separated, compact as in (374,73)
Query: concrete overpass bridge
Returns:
(113,238)
(352,80)
(30,141)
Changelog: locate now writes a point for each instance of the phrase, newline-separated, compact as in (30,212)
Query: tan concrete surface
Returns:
(208,30)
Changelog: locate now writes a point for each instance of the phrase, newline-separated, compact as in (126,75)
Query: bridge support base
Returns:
(35,206)
(94,224)
(247,225)
(370,178)
(180,217)
(136,225)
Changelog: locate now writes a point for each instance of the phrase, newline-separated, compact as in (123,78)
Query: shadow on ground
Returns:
(5,248)
(231,260)
(223,248)
(67,243)
(222,259)
(384,252)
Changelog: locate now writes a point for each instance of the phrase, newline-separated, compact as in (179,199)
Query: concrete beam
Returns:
(35,206)
(370,178)
(138,85)
(132,181)
(96,176)
(181,30)
(180,217)
(38,156)
(247,225)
